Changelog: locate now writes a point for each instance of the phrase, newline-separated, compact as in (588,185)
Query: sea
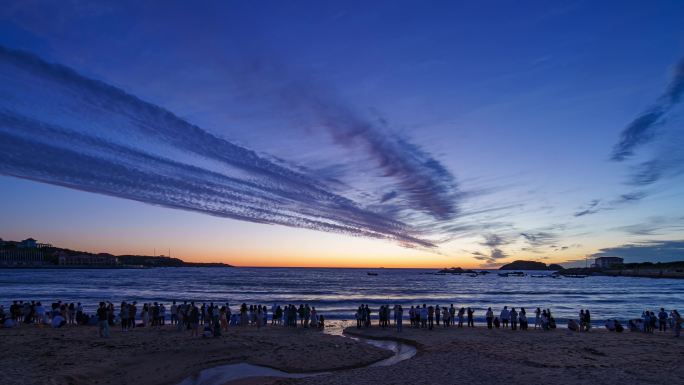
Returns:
(336,292)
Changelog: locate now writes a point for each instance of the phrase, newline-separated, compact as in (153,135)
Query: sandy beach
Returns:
(482,356)
(155,356)
(75,355)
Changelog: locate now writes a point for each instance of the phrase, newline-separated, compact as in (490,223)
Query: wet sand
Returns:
(75,355)
(482,356)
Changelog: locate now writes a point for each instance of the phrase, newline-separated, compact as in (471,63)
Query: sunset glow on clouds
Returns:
(275,135)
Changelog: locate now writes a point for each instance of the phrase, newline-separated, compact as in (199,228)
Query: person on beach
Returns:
(471,318)
(72,313)
(505,316)
(223,318)
(544,319)
(677,323)
(431,315)
(513,315)
(587,320)
(243,314)
(552,321)
(537,318)
(522,318)
(438,314)
(39,313)
(423,316)
(174,313)
(103,321)
(452,314)
(398,317)
(79,311)
(194,320)
(653,321)
(58,321)
(123,314)
(461,315)
(446,317)
(648,321)
(489,316)
(314,317)
(496,322)
(307,315)
(662,320)
(581,320)
(359,317)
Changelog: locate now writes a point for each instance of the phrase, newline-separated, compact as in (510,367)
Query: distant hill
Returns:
(530,265)
(52,254)
(161,261)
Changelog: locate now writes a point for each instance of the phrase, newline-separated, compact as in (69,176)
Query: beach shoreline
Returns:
(162,355)
(482,356)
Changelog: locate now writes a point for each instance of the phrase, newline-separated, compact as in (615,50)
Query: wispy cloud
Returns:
(541,238)
(643,129)
(419,180)
(655,123)
(591,208)
(59,127)
(494,243)
(598,205)
(653,226)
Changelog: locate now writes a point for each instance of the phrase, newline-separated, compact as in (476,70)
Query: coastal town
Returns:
(30,253)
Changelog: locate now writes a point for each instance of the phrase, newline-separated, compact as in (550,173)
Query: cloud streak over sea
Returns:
(59,127)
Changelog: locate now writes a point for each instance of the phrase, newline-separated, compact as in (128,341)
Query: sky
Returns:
(345,133)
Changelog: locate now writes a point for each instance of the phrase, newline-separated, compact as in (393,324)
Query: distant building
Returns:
(28,243)
(31,243)
(87,260)
(607,262)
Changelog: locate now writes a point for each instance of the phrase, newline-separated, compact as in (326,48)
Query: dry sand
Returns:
(482,356)
(75,355)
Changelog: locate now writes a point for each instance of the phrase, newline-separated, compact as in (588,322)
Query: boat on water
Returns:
(372,274)
(576,276)
(512,274)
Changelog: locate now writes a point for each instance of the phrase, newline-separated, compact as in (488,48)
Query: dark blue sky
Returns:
(469,132)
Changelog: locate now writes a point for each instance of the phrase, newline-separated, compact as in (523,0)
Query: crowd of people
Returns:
(426,317)
(211,318)
(214,318)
